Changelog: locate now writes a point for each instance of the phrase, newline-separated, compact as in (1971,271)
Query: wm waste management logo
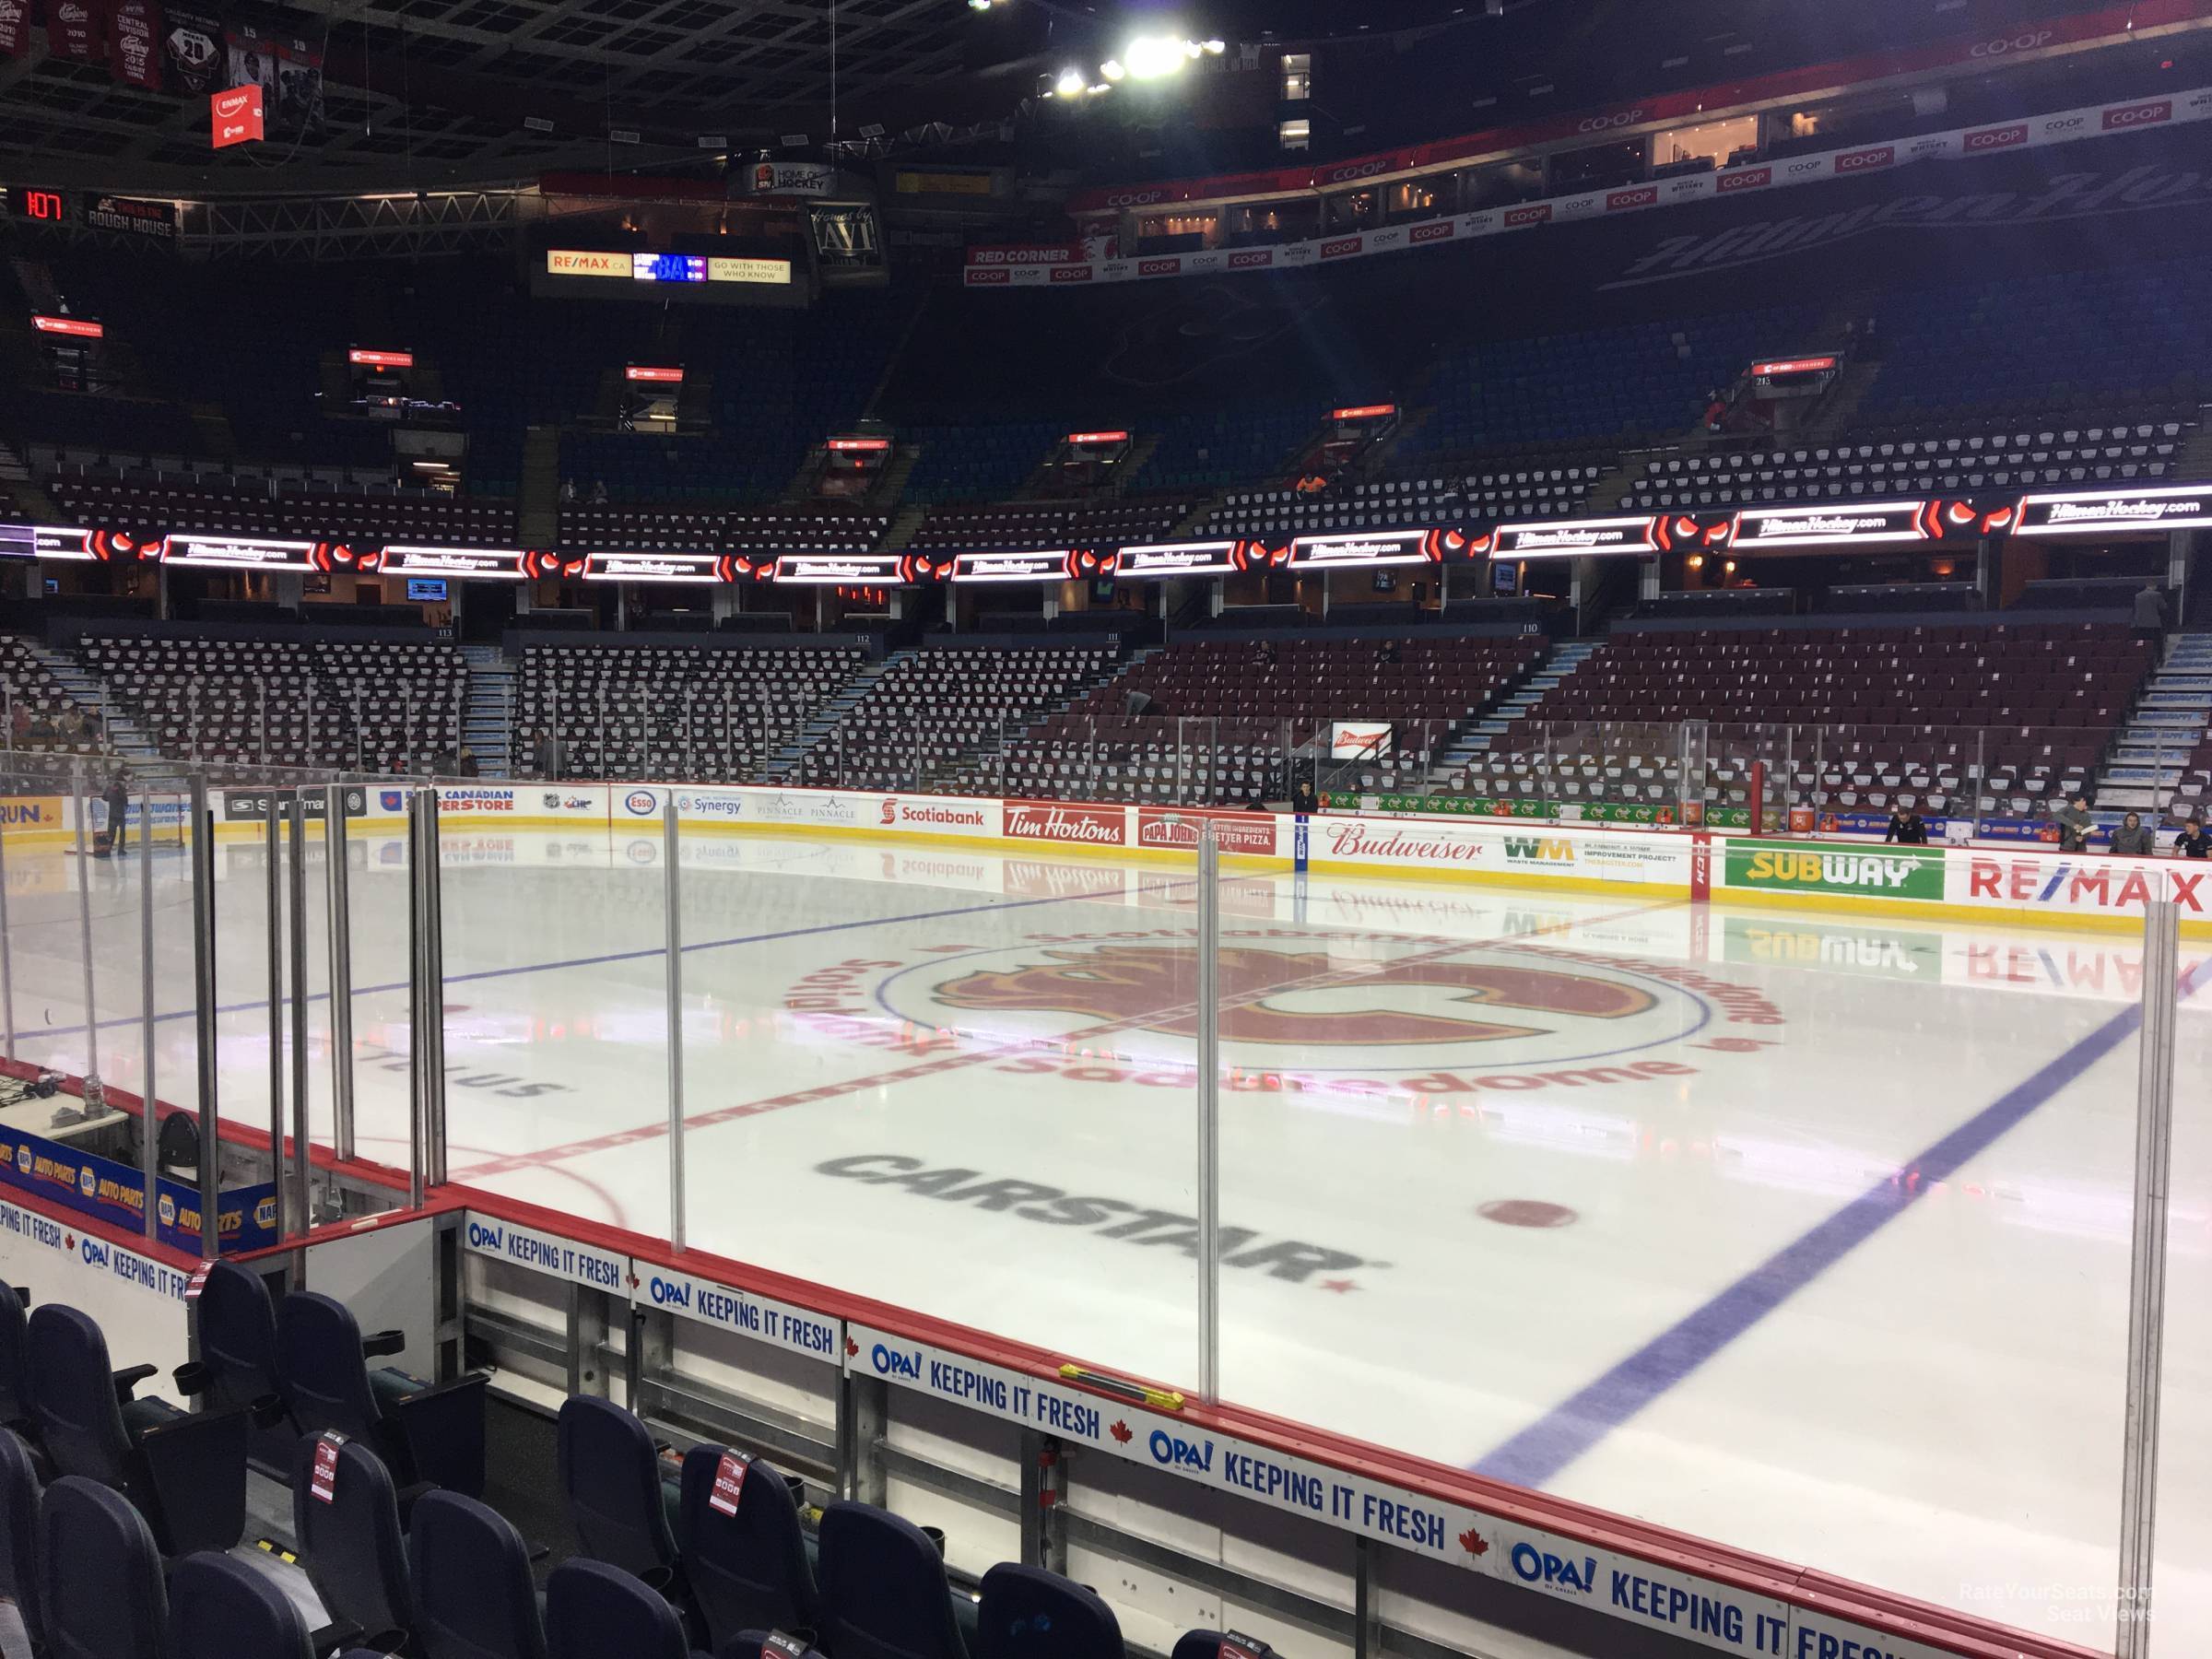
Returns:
(1892,872)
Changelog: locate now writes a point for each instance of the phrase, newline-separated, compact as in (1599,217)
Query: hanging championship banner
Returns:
(135,43)
(15,28)
(77,29)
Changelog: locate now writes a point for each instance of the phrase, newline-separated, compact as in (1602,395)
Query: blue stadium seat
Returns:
(422,1432)
(221,1608)
(234,1320)
(473,1594)
(19,1530)
(611,1479)
(15,1335)
(350,1541)
(883,1587)
(1028,1612)
(748,1570)
(187,1476)
(100,1586)
(593,1610)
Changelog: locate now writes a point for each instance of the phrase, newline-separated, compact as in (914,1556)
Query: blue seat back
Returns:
(351,1539)
(100,1584)
(15,1337)
(748,1570)
(883,1588)
(236,1323)
(72,1397)
(471,1578)
(221,1608)
(1028,1613)
(20,1529)
(319,1356)
(594,1611)
(612,1481)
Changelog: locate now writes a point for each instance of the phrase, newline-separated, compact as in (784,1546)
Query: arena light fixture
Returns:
(1071,82)
(1151,56)
(1111,69)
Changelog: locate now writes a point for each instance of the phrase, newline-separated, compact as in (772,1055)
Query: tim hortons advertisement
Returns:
(1065,824)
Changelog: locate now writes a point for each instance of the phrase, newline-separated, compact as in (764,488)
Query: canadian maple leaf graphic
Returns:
(1122,1431)
(1473,1543)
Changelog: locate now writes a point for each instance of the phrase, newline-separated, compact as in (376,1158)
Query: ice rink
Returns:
(1808,1236)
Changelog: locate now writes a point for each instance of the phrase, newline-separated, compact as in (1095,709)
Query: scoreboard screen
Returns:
(668,267)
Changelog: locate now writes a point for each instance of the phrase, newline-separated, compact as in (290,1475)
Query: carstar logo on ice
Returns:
(1087,826)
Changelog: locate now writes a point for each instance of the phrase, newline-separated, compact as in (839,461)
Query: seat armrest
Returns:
(129,1378)
(332,1636)
(377,1346)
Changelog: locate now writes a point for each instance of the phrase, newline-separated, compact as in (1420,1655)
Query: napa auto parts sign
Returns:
(2063,126)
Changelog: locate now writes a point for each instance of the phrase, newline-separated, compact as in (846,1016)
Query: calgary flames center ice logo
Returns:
(1153,988)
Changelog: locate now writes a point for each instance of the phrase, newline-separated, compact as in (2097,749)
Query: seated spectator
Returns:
(2194,840)
(2132,839)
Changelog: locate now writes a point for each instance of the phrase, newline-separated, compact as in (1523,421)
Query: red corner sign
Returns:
(236,115)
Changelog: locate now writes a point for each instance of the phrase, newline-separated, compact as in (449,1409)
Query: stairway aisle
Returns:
(2173,715)
(487,716)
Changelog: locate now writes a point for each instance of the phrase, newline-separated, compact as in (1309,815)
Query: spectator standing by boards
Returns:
(2073,824)
(1906,828)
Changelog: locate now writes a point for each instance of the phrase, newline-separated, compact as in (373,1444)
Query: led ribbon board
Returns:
(837,570)
(1573,538)
(2102,511)
(659,566)
(1837,524)
(1150,560)
(1370,549)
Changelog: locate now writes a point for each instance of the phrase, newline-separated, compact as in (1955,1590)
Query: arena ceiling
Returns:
(431,94)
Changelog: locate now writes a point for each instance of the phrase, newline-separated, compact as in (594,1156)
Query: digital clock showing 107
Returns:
(46,206)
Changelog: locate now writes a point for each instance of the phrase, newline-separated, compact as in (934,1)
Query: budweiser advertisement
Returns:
(235,116)
(1071,826)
